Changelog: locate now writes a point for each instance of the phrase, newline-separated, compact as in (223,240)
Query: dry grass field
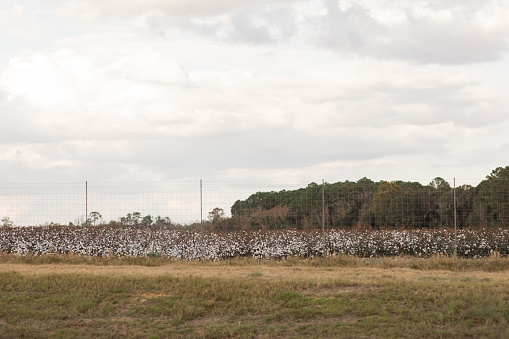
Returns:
(348,297)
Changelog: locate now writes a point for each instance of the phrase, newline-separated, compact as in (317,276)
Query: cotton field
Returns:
(273,244)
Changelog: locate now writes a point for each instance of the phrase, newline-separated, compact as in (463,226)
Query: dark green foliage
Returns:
(490,199)
(369,204)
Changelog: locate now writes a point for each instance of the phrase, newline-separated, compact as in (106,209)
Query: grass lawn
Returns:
(440,297)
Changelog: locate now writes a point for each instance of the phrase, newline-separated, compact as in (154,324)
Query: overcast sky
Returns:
(131,90)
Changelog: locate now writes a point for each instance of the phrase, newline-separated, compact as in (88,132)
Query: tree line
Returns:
(134,219)
(365,203)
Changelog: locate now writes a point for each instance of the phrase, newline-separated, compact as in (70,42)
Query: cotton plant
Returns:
(266,244)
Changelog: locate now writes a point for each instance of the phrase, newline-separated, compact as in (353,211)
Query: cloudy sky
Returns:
(131,90)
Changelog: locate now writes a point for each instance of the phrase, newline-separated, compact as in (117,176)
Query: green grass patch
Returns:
(380,304)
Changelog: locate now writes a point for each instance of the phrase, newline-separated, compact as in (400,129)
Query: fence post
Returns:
(86,203)
(455,232)
(323,212)
(86,216)
(201,212)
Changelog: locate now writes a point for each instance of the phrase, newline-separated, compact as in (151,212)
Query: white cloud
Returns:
(256,24)
(424,32)
(145,108)
(47,78)
(453,35)
(16,23)
(107,8)
(151,68)
(252,86)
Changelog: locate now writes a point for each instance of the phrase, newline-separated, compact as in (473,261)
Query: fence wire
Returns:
(227,205)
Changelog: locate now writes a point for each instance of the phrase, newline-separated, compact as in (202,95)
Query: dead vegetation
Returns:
(328,297)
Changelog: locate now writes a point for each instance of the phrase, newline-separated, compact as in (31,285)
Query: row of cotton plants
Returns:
(274,244)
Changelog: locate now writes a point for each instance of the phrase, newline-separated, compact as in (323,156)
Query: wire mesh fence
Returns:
(174,203)
(227,205)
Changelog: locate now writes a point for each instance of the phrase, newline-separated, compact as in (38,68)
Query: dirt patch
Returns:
(3,322)
(124,319)
(205,321)
(155,295)
(350,319)
(332,293)
(145,296)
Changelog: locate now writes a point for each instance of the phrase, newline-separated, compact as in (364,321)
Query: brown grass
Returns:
(269,271)
(334,297)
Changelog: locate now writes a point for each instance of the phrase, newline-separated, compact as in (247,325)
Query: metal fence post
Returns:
(86,215)
(86,203)
(455,232)
(201,212)
(323,212)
